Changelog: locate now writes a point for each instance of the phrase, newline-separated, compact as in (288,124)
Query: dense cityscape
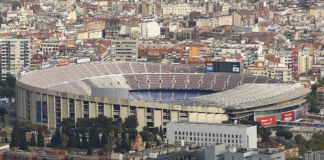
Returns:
(161,80)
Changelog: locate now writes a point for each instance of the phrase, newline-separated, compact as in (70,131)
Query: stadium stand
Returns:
(220,82)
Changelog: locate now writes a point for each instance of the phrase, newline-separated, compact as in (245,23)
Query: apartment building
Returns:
(206,133)
(49,47)
(124,50)
(93,25)
(176,9)
(281,72)
(15,55)
(150,29)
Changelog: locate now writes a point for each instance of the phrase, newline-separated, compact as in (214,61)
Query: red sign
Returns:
(64,63)
(209,63)
(288,116)
(267,121)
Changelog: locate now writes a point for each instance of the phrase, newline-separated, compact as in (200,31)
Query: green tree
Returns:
(84,139)
(77,135)
(284,133)
(104,139)
(65,140)
(132,133)
(33,140)
(161,133)
(300,140)
(124,145)
(310,144)
(265,134)
(318,136)
(53,141)
(3,111)
(131,122)
(23,143)
(226,122)
(7,119)
(117,144)
(40,138)
(89,152)
(15,139)
(58,136)
(11,81)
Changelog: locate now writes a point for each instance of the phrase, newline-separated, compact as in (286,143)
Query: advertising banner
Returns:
(210,66)
(49,65)
(44,108)
(83,60)
(64,63)
(288,116)
(299,113)
(267,121)
(39,111)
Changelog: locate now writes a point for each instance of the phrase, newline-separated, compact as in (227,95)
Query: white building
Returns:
(124,50)
(15,55)
(205,133)
(150,29)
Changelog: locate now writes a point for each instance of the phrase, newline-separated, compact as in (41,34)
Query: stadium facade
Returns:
(157,94)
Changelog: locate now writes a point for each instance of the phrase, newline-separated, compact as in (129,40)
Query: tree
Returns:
(84,139)
(265,134)
(3,111)
(53,141)
(104,139)
(161,133)
(4,135)
(226,122)
(89,152)
(7,119)
(65,140)
(40,138)
(124,145)
(117,144)
(300,140)
(131,122)
(23,143)
(107,148)
(77,136)
(314,110)
(284,133)
(11,81)
(15,138)
(58,136)
(33,140)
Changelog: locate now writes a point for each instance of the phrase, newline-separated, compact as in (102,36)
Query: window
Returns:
(179,138)
(220,140)
(179,133)
(183,133)
(194,133)
(209,140)
(213,139)
(186,133)
(190,133)
(182,137)
(229,141)
(216,140)
(232,157)
(175,132)
(229,136)
(213,134)
(225,135)
(220,135)
(217,135)
(236,136)
(240,141)
(190,138)
(209,134)
(232,135)
(205,134)
(240,136)
(194,138)
(175,138)
(197,133)
(206,139)
(225,141)
(232,141)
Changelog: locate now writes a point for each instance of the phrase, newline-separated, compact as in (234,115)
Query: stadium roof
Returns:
(253,95)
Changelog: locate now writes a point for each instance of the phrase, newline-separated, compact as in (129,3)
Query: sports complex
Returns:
(156,94)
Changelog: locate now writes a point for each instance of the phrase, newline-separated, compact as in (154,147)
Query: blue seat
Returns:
(166,95)
(155,95)
(145,95)
(179,95)
(136,96)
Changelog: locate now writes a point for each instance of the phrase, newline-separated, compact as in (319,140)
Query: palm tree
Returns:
(120,127)
(112,137)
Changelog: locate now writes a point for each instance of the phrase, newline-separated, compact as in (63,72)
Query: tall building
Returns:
(15,55)
(124,50)
(206,133)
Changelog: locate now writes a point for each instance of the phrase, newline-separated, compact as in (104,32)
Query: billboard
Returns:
(48,65)
(44,108)
(267,121)
(83,60)
(38,111)
(210,66)
(232,67)
(288,116)
(64,63)
(299,113)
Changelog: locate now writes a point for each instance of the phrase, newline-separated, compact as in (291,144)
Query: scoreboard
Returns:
(232,67)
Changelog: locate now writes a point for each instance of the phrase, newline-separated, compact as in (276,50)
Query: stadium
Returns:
(155,93)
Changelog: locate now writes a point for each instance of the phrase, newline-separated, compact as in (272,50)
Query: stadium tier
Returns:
(173,93)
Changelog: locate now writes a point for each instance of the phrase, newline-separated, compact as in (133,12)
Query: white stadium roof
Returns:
(253,95)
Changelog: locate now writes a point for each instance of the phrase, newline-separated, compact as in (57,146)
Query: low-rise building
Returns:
(205,133)
(248,153)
